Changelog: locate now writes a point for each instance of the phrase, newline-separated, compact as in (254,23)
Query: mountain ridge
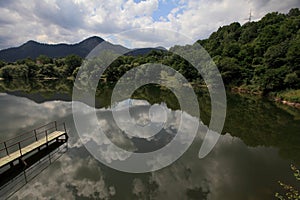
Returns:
(32,49)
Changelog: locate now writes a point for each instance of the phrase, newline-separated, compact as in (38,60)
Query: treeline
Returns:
(42,67)
(261,57)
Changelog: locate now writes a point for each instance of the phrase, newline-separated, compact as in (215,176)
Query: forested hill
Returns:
(33,49)
(261,56)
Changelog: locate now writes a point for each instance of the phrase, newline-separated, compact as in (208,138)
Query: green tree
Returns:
(294,12)
(231,50)
(291,80)
(72,62)
(230,70)
(275,55)
(293,54)
(2,63)
(43,59)
(290,191)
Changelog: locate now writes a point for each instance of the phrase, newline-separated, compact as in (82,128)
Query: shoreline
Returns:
(285,102)
(271,97)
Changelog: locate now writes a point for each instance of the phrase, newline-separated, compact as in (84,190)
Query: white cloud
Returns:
(27,113)
(65,182)
(143,8)
(71,21)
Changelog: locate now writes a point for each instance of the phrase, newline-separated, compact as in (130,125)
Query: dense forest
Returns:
(260,57)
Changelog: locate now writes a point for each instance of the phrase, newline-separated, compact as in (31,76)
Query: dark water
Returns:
(260,141)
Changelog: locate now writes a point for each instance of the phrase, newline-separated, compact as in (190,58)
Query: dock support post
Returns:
(23,161)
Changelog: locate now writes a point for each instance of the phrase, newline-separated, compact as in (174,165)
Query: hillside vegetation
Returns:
(260,56)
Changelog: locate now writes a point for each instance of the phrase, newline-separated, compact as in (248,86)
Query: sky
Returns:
(132,23)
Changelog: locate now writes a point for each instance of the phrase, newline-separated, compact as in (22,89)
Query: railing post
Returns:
(65,127)
(20,148)
(25,176)
(55,123)
(49,158)
(46,136)
(6,148)
(35,135)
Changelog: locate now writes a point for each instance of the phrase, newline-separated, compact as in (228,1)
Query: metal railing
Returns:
(17,143)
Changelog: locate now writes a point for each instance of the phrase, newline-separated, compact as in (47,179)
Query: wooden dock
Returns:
(24,144)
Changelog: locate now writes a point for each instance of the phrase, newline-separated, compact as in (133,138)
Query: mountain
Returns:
(33,49)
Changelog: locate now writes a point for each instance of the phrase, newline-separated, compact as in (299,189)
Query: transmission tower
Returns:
(250,15)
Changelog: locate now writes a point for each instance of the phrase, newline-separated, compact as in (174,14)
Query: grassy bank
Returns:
(289,95)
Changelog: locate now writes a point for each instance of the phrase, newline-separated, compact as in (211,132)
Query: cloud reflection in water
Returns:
(231,171)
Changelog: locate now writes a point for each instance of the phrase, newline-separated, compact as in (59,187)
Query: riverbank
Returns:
(289,103)
(244,90)
(289,97)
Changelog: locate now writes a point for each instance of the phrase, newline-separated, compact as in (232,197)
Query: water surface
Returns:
(260,140)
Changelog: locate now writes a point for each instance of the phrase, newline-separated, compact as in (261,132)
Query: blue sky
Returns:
(164,8)
(70,21)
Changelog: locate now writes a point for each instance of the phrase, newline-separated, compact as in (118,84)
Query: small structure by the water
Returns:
(23,156)
(16,150)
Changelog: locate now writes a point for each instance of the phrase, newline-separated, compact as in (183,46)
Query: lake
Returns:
(260,140)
